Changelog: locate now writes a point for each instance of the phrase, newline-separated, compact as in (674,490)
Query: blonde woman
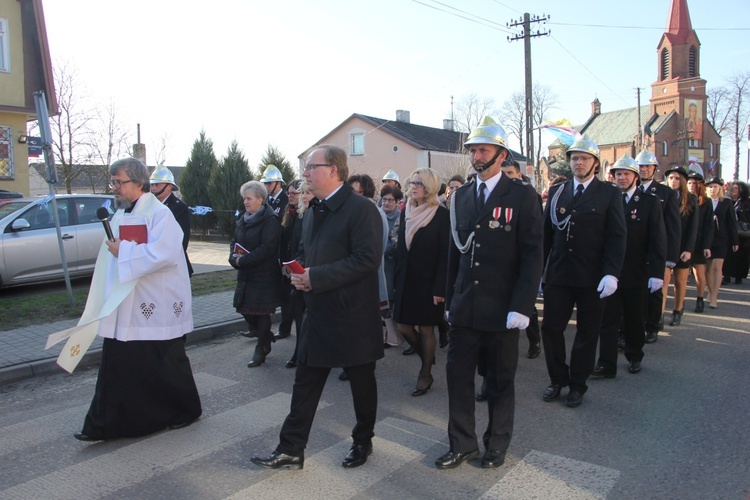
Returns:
(725,235)
(421,267)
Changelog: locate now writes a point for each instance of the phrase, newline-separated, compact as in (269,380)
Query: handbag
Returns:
(743,229)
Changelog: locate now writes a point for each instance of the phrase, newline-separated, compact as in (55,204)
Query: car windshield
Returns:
(8,207)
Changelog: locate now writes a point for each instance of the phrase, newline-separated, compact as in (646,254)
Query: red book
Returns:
(294,267)
(134,228)
(240,250)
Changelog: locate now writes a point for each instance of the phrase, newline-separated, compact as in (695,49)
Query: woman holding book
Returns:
(254,253)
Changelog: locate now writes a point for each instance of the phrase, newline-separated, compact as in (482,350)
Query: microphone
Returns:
(103,215)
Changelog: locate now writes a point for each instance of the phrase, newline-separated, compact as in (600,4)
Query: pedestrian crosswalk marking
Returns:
(541,475)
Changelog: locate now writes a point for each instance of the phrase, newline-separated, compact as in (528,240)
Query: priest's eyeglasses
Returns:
(117,184)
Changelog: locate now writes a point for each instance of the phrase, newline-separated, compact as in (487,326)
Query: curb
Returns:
(48,366)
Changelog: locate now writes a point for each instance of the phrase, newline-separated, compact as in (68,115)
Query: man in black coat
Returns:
(163,186)
(642,272)
(670,207)
(341,251)
(494,268)
(584,247)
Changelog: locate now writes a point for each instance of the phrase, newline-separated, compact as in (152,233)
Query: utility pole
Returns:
(526,34)
(641,139)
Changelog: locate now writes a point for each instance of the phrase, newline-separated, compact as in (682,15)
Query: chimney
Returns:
(403,116)
(596,107)
(139,149)
(448,124)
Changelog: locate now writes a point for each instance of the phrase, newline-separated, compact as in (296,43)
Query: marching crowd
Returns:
(457,264)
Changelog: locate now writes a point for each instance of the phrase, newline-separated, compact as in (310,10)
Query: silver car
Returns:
(29,251)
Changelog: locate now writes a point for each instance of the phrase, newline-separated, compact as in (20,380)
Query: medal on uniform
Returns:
(494,224)
(562,210)
(633,213)
(508,218)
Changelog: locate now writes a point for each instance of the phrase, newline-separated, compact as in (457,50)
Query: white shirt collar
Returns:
(490,183)
(585,184)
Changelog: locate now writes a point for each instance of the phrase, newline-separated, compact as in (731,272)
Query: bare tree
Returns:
(717,109)
(71,128)
(160,149)
(108,141)
(470,110)
(544,100)
(738,86)
(514,116)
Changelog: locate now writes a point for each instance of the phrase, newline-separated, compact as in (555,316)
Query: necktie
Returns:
(579,192)
(624,199)
(480,196)
(643,188)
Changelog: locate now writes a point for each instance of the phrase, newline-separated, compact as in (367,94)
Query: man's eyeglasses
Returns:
(388,200)
(311,166)
(117,184)
(416,184)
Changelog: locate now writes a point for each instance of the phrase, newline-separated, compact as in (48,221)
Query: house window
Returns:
(711,149)
(357,146)
(6,153)
(664,149)
(693,143)
(664,64)
(4,46)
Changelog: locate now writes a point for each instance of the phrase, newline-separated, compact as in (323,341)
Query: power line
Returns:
(463,17)
(609,26)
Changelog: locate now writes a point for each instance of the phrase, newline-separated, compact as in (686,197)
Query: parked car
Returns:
(9,194)
(29,249)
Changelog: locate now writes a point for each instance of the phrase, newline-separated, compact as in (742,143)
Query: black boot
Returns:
(676,318)
(699,305)
(262,348)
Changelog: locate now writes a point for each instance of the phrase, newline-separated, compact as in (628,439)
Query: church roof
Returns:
(615,127)
(679,26)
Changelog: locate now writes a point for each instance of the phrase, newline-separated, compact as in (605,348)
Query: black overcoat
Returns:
(258,273)
(421,271)
(646,253)
(670,207)
(181,214)
(342,324)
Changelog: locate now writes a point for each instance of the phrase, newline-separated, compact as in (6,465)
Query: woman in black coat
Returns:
(677,178)
(737,263)
(704,237)
(725,236)
(254,253)
(421,268)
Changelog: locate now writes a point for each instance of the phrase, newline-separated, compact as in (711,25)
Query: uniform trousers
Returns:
(532,333)
(309,382)
(501,349)
(558,309)
(626,305)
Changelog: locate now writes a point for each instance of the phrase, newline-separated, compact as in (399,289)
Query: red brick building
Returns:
(674,125)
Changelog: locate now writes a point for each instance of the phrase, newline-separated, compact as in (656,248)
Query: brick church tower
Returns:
(681,92)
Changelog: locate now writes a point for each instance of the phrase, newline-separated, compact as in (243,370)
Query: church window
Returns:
(711,149)
(664,64)
(664,149)
(692,60)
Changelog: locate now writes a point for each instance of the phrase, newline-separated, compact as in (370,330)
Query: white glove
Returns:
(608,286)
(670,264)
(655,284)
(516,320)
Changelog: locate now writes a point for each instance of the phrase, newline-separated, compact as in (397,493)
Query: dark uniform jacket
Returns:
(689,226)
(725,226)
(279,203)
(342,325)
(645,256)
(181,214)
(593,244)
(705,236)
(259,274)
(501,273)
(670,208)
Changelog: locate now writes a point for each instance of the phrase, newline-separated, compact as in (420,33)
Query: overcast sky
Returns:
(285,73)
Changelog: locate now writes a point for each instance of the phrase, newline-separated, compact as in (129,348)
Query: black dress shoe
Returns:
(174,427)
(574,398)
(357,455)
(280,335)
(651,337)
(291,363)
(493,458)
(451,459)
(85,437)
(634,366)
(408,351)
(534,350)
(621,341)
(600,372)
(482,394)
(552,392)
(249,335)
(420,392)
(277,460)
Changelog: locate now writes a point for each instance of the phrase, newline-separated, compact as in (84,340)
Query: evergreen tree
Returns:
(273,156)
(224,187)
(194,180)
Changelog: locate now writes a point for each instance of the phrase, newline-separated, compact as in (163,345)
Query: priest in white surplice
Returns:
(145,382)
